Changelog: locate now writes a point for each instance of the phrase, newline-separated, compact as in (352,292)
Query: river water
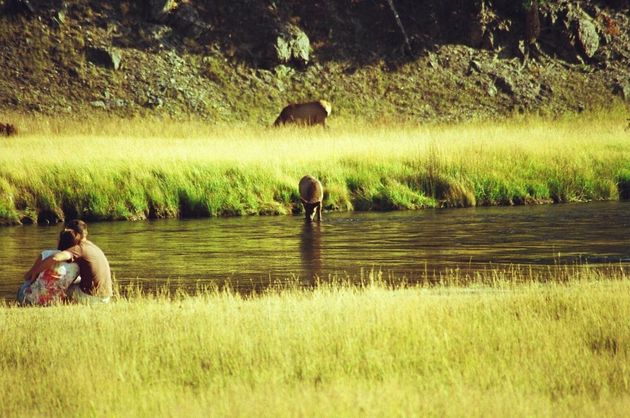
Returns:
(254,251)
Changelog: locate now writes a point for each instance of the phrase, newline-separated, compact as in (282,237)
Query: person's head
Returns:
(67,239)
(78,227)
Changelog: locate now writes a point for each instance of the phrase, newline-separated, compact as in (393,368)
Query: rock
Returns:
(474,67)
(18,7)
(433,61)
(187,22)
(505,84)
(159,10)
(491,90)
(105,57)
(154,102)
(587,36)
(99,104)
(292,46)
(530,93)
(545,91)
(119,103)
(58,14)
(576,35)
(622,89)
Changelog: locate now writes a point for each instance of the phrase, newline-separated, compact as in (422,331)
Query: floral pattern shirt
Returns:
(46,289)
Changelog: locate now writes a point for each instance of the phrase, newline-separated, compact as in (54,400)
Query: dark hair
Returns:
(78,226)
(67,239)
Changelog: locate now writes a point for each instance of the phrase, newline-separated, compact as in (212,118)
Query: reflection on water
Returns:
(251,250)
(311,251)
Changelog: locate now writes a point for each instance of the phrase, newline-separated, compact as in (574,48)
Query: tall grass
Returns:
(133,169)
(506,346)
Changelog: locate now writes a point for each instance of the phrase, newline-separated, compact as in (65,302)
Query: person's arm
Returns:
(28,274)
(48,262)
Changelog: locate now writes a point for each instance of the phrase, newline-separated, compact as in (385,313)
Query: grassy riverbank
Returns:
(134,169)
(503,345)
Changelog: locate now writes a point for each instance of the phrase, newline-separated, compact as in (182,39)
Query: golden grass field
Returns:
(504,345)
(134,169)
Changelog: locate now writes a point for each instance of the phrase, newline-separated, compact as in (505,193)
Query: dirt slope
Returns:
(243,60)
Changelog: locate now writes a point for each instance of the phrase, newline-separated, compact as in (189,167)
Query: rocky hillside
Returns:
(240,61)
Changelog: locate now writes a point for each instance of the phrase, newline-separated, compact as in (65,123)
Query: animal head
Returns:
(310,210)
(327,106)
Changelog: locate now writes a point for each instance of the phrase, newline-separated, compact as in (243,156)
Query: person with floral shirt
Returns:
(95,285)
(50,285)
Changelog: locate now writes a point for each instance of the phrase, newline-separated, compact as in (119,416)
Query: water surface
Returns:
(252,250)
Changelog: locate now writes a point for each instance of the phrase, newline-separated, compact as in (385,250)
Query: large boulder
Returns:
(159,10)
(17,7)
(186,21)
(577,38)
(622,89)
(291,46)
(505,84)
(586,35)
(182,17)
(105,57)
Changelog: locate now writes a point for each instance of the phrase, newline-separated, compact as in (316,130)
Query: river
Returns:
(253,251)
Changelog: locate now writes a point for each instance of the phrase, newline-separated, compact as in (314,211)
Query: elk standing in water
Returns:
(311,194)
(312,113)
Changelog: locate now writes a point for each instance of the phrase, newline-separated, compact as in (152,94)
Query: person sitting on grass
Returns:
(95,285)
(50,285)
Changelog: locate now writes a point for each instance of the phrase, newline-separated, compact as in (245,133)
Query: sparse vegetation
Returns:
(224,75)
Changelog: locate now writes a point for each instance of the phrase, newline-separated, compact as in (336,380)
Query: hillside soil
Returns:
(241,61)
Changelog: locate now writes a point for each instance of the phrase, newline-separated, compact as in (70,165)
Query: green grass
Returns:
(133,169)
(503,344)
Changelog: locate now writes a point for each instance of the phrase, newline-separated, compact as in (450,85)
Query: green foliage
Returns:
(393,195)
(337,197)
(245,172)
(8,213)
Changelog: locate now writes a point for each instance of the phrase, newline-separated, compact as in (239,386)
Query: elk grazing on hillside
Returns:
(311,113)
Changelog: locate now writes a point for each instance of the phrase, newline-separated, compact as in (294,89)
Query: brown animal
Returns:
(311,194)
(7,129)
(311,113)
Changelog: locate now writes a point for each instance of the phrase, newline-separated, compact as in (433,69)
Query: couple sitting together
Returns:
(77,271)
